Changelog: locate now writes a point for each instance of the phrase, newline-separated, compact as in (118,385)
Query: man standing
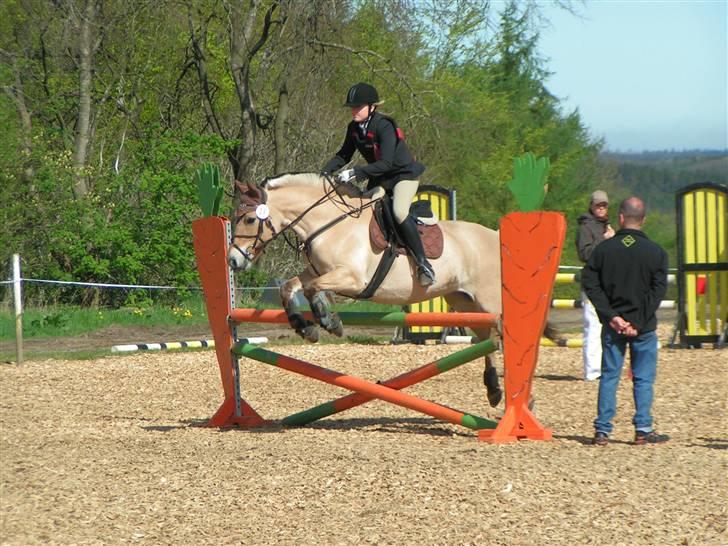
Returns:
(626,279)
(593,229)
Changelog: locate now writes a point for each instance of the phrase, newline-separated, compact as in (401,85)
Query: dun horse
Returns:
(334,230)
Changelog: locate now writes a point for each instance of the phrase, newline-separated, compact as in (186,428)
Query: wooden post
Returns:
(210,241)
(18,299)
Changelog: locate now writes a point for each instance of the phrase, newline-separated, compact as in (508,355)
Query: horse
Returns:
(333,224)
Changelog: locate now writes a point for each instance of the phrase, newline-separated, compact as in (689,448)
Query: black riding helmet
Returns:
(361,93)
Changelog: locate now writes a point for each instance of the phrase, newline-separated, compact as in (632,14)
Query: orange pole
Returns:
(360,385)
(397,318)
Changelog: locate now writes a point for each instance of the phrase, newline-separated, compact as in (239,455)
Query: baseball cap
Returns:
(599,196)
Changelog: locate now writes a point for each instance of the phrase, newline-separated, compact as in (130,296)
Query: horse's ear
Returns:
(250,194)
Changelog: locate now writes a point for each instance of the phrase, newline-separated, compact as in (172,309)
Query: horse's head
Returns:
(252,226)
(299,202)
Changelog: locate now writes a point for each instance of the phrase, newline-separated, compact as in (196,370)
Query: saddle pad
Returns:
(431,237)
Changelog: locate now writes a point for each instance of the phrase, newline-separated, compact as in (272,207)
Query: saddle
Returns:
(383,234)
(384,237)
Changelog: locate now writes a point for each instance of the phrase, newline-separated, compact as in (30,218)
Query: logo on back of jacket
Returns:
(628,241)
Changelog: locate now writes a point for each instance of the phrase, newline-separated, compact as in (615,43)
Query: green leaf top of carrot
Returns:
(209,189)
(528,185)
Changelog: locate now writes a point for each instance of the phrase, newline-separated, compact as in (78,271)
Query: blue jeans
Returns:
(643,357)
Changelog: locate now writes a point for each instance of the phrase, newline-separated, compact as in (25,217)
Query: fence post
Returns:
(18,298)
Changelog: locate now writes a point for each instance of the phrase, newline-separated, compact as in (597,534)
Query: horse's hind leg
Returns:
(303,327)
(490,380)
(463,303)
(493,390)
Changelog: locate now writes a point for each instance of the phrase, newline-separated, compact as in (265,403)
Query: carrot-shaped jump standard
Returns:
(531,243)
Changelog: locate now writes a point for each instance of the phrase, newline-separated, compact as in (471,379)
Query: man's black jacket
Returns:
(626,276)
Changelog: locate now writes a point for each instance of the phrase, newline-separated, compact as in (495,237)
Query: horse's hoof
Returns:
(310,333)
(490,380)
(494,397)
(336,329)
(297,322)
(333,325)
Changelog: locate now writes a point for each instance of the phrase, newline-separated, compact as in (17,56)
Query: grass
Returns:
(70,321)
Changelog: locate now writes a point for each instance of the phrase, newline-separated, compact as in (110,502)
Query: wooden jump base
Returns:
(528,279)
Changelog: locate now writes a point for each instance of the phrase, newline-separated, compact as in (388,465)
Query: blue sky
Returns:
(645,75)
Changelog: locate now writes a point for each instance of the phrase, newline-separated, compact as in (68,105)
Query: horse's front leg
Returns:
(303,327)
(327,318)
(318,291)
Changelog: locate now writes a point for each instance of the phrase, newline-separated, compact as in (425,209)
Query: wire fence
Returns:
(42,296)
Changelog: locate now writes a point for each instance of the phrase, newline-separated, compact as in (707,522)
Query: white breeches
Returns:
(592,351)
(404,191)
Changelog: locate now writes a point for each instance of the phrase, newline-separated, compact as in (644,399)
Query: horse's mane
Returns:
(292,179)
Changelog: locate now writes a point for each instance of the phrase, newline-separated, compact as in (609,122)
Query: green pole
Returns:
(407,379)
(359,385)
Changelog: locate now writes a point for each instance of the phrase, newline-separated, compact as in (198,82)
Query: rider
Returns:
(389,165)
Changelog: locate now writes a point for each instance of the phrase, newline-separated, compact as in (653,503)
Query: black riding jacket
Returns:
(626,276)
(382,145)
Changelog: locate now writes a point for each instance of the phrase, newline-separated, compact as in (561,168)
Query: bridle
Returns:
(258,203)
(258,244)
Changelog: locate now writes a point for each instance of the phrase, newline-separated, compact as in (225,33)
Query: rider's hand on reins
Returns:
(345,176)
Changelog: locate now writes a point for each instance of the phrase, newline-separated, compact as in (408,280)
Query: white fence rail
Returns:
(17,281)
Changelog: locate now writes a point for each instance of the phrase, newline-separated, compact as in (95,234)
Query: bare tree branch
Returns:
(200,60)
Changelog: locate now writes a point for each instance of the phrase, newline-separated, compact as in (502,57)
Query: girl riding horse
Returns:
(389,165)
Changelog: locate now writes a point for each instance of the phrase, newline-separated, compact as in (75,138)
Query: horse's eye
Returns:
(250,220)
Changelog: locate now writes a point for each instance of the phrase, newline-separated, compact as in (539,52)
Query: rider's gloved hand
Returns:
(345,176)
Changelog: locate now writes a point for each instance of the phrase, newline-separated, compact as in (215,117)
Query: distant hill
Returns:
(656,175)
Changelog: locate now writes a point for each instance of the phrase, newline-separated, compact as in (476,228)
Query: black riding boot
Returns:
(408,231)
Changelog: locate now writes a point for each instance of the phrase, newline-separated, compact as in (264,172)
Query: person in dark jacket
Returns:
(626,279)
(389,165)
(593,229)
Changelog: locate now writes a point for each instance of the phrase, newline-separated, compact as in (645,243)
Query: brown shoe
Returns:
(600,439)
(642,438)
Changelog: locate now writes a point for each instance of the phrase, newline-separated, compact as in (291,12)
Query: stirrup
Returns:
(425,275)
